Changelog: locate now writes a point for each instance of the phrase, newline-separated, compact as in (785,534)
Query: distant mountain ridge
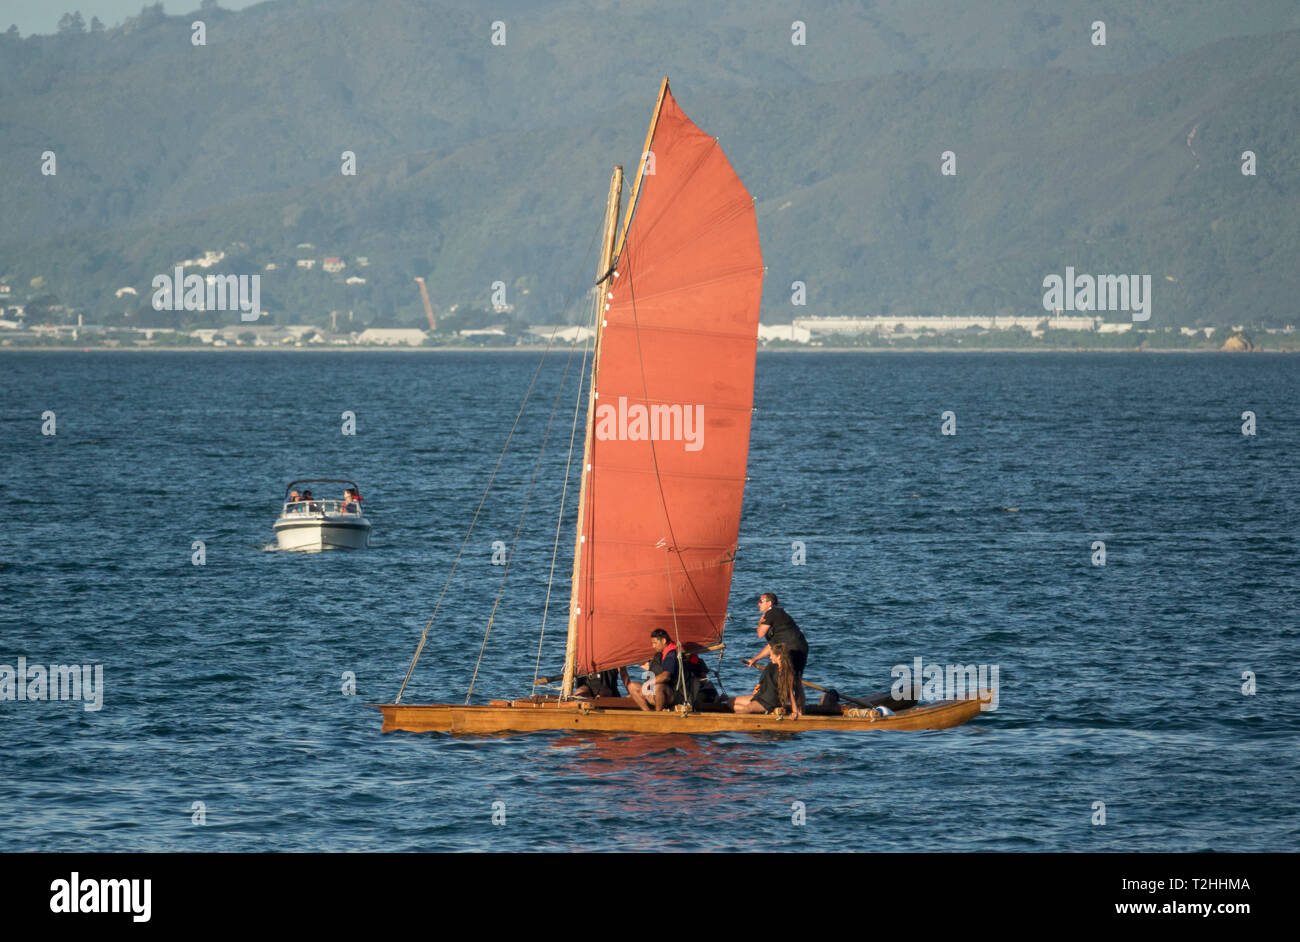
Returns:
(481,163)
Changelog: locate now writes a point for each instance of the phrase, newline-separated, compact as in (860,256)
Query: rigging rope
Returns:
(596,314)
(537,466)
(717,672)
(424,636)
(564,491)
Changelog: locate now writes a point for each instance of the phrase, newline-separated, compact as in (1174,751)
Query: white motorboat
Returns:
(311,524)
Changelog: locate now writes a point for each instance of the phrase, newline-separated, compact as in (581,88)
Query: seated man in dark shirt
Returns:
(601,684)
(665,688)
(776,626)
(663,667)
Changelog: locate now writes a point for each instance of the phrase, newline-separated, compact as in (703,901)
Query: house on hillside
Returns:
(306,263)
(207,260)
(333,263)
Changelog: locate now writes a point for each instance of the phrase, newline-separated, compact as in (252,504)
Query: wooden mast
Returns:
(640,170)
(604,274)
(609,253)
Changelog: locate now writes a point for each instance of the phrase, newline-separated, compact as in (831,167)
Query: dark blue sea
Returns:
(225,727)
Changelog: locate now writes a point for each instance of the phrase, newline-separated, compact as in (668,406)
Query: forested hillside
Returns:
(478,163)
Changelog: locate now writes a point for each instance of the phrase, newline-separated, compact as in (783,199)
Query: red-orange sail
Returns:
(674,388)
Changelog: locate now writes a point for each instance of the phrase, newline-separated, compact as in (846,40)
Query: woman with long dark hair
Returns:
(774,689)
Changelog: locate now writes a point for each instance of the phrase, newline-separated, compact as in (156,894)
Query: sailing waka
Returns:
(676,312)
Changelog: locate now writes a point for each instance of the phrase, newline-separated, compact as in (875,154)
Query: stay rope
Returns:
(424,636)
(564,490)
(537,467)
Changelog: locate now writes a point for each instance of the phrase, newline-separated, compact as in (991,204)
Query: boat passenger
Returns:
(698,686)
(775,688)
(661,689)
(777,627)
(601,684)
(642,692)
(351,500)
(701,688)
(664,689)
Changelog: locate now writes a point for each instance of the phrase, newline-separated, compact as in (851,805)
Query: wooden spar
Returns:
(603,273)
(640,170)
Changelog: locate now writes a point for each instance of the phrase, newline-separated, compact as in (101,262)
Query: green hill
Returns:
(481,163)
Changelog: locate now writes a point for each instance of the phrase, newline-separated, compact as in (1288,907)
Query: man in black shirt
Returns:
(775,626)
(601,684)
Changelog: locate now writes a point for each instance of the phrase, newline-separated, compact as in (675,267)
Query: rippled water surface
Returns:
(222,682)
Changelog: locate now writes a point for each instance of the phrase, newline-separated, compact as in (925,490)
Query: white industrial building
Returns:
(810,327)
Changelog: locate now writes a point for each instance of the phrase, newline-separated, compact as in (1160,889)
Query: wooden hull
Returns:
(523,716)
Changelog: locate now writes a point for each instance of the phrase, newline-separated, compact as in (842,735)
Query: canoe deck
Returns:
(522,716)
